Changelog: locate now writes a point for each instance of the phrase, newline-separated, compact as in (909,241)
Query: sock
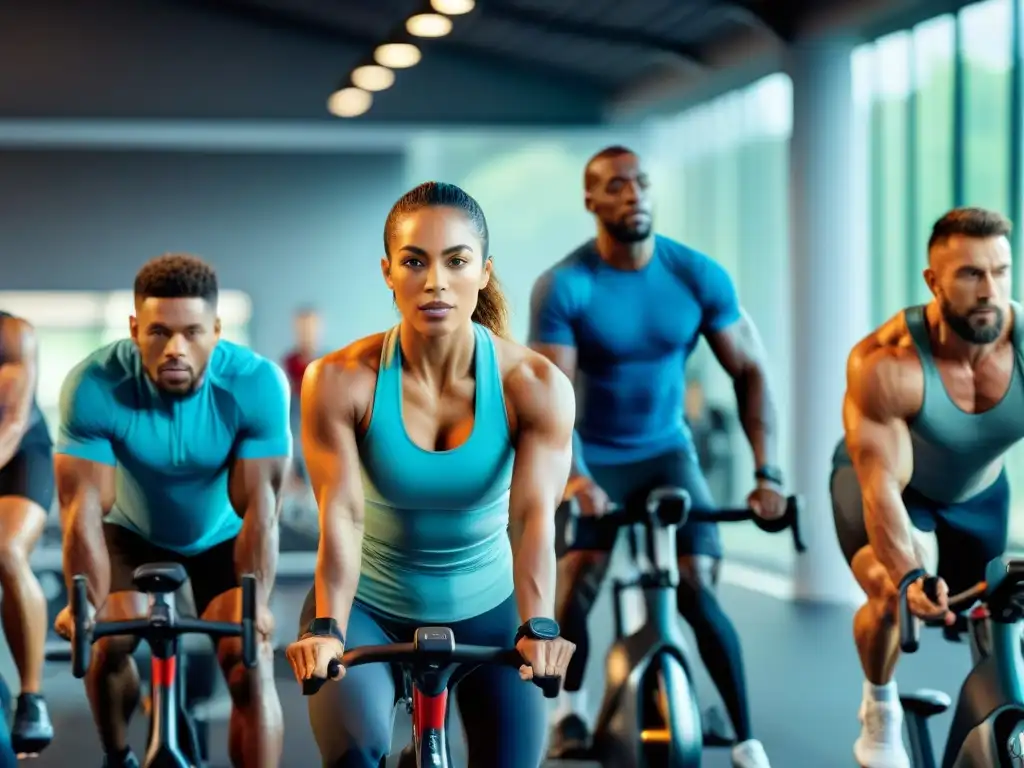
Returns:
(570,703)
(880,694)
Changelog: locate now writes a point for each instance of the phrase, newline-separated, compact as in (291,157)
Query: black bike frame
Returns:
(162,750)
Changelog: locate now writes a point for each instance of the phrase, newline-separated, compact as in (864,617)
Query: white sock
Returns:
(570,703)
(881,694)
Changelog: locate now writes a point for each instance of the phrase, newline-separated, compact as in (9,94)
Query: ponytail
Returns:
(492,308)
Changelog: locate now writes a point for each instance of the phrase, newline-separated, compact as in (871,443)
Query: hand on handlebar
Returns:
(592,500)
(311,655)
(767,502)
(924,608)
(64,624)
(545,658)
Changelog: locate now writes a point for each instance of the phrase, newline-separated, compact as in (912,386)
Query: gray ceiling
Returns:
(507,62)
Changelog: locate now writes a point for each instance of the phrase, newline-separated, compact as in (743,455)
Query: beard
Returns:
(629,233)
(973,334)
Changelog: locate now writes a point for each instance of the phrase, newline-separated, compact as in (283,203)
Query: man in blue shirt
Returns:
(620,316)
(172,447)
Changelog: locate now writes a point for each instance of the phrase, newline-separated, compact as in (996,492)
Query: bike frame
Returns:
(429,715)
(162,748)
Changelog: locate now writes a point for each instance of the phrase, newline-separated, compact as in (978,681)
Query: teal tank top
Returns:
(957,454)
(435,535)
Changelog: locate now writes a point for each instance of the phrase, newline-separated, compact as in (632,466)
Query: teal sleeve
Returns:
(86,418)
(265,431)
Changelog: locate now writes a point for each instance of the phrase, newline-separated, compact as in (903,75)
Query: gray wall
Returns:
(286,229)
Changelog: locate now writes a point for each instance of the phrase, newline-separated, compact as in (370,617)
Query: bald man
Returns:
(934,399)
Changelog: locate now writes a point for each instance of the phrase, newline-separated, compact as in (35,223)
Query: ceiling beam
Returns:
(769,15)
(364,43)
(603,33)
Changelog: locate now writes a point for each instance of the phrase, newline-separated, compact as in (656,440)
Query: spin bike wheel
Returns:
(670,735)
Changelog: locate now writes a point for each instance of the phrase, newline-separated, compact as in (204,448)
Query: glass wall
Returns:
(71,325)
(941,133)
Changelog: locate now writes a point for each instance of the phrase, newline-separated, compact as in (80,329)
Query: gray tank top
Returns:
(958,454)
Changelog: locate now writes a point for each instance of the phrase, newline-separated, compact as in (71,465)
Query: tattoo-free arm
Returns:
(332,461)
(878,440)
(544,405)
(255,490)
(739,350)
(17,383)
(86,493)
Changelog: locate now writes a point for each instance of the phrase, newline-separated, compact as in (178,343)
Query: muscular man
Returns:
(934,399)
(172,447)
(621,315)
(26,493)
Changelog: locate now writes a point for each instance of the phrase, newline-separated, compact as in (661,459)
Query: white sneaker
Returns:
(749,754)
(881,736)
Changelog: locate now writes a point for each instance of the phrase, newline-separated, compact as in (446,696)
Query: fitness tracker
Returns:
(538,629)
(770,474)
(325,628)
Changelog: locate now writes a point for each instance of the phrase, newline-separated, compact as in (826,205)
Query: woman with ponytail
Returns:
(438,451)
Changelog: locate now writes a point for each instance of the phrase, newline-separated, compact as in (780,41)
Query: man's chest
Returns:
(637,319)
(175,441)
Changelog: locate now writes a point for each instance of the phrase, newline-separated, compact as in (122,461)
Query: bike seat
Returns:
(158,578)
(925,702)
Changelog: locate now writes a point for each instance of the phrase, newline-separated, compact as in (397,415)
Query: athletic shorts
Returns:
(969,533)
(631,483)
(29,474)
(210,573)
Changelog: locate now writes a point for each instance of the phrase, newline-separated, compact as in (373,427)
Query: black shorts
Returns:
(969,533)
(29,474)
(210,573)
(630,484)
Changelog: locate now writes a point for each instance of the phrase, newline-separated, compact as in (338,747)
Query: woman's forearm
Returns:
(337,571)
(534,566)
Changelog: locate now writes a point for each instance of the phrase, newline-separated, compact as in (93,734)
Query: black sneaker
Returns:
(126,759)
(570,740)
(32,730)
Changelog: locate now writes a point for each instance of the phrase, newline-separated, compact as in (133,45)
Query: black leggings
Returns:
(717,640)
(503,717)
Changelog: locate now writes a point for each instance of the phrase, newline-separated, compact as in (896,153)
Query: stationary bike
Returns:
(649,716)
(161,630)
(988,723)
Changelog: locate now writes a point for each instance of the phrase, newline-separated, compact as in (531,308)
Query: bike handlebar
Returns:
(671,506)
(157,626)
(910,627)
(405,653)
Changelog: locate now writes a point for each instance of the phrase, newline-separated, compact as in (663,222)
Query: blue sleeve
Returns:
(86,415)
(719,303)
(550,313)
(265,430)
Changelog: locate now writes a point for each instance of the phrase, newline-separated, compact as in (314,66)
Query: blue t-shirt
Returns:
(633,332)
(173,454)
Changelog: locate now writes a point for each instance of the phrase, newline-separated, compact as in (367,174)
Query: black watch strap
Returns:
(770,474)
(325,627)
(538,628)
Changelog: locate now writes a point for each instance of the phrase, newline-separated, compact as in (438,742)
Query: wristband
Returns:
(325,627)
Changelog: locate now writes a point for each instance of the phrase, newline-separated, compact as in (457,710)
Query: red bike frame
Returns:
(429,714)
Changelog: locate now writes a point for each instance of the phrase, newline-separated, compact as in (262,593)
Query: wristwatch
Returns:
(539,628)
(325,627)
(770,474)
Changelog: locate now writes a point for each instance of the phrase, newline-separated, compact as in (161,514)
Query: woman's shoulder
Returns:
(351,365)
(530,380)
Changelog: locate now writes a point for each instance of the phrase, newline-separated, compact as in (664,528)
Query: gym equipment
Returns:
(161,630)
(428,663)
(649,716)
(988,723)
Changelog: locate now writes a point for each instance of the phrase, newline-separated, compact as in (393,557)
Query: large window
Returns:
(71,325)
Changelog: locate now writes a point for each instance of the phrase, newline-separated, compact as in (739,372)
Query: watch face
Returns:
(546,629)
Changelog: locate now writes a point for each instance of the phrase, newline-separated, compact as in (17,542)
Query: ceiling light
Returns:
(373,78)
(349,102)
(453,7)
(397,55)
(428,25)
